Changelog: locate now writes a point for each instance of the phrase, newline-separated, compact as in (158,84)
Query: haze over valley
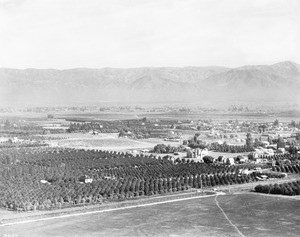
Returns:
(264,84)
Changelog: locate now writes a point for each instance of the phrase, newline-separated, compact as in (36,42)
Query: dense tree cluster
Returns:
(138,128)
(162,148)
(294,124)
(290,188)
(280,143)
(229,148)
(293,150)
(208,159)
(249,141)
(195,142)
(115,175)
(86,127)
(276,123)
(12,128)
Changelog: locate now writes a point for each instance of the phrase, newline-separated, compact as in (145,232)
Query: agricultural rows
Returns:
(287,168)
(115,176)
(287,156)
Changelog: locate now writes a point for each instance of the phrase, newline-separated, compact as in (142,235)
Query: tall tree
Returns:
(249,141)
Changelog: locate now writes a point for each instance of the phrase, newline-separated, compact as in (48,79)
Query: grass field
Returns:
(253,215)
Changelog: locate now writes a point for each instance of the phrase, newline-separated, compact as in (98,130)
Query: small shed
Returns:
(85,179)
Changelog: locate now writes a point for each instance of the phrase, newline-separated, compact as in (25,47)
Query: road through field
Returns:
(110,210)
(253,215)
(234,226)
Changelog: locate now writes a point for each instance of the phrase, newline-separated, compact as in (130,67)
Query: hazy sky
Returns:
(127,33)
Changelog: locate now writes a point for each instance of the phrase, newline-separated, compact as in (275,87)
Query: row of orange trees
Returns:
(289,188)
(287,156)
(229,148)
(287,168)
(116,176)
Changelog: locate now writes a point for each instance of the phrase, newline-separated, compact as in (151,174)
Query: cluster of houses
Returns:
(197,153)
(258,156)
(234,126)
(200,153)
(260,151)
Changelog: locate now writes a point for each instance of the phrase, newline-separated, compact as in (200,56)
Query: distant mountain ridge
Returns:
(83,85)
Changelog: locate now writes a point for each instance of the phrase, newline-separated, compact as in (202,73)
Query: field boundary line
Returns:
(106,210)
(237,229)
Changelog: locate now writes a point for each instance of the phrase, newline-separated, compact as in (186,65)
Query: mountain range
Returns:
(262,84)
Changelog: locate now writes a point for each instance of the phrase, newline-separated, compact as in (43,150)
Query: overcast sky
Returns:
(127,33)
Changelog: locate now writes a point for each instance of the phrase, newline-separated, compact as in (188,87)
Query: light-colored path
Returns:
(107,210)
(236,228)
(277,196)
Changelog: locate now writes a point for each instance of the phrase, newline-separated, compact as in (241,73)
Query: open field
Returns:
(253,215)
(105,141)
(110,141)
